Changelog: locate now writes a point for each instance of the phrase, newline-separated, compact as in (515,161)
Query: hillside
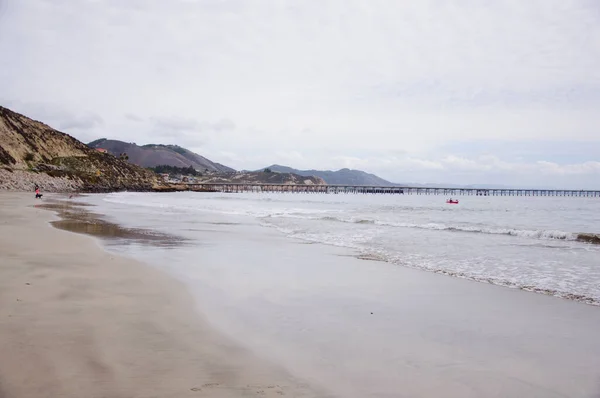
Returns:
(152,155)
(342,177)
(259,177)
(32,152)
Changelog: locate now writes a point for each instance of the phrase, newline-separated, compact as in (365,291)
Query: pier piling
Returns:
(391,190)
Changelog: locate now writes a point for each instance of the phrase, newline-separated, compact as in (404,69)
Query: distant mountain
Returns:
(358,177)
(260,177)
(471,186)
(343,176)
(152,155)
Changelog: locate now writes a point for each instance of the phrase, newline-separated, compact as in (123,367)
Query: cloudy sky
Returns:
(464,91)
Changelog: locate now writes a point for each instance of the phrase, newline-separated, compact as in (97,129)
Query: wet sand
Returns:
(366,328)
(76,216)
(76,321)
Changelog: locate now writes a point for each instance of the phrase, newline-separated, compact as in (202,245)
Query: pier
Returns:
(390,190)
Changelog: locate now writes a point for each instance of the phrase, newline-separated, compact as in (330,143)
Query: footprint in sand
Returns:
(205,386)
(268,390)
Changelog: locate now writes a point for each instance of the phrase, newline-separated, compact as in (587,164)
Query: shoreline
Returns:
(72,217)
(273,303)
(368,329)
(78,217)
(80,321)
(75,217)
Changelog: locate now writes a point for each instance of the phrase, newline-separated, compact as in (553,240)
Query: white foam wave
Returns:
(328,215)
(524,233)
(190,206)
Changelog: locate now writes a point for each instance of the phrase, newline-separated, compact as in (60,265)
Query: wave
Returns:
(546,234)
(326,215)
(196,207)
(363,251)
(524,233)
(580,297)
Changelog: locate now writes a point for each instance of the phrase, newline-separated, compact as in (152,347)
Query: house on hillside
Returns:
(176,179)
(102,150)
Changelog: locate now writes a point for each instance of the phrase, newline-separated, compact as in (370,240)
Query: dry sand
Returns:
(76,321)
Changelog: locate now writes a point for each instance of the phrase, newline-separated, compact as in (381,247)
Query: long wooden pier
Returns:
(391,190)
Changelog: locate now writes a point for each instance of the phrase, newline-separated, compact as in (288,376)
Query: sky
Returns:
(463,92)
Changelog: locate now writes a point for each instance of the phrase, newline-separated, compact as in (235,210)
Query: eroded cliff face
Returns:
(32,153)
(28,141)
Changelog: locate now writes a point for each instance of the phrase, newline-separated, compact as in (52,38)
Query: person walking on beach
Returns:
(38,195)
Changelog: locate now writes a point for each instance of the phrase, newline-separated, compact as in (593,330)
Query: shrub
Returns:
(172,170)
(29,157)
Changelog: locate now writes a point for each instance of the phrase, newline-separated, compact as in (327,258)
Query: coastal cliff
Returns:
(32,152)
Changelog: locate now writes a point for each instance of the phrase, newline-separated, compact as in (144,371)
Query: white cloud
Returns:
(133,118)
(348,78)
(586,168)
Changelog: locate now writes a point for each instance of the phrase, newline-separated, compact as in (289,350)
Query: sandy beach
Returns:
(233,309)
(76,321)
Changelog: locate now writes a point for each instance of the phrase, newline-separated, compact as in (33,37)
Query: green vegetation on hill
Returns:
(178,149)
(96,143)
(174,148)
(174,170)
(261,177)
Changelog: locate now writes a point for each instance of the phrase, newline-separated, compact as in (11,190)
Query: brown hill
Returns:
(32,152)
(261,177)
(340,177)
(152,155)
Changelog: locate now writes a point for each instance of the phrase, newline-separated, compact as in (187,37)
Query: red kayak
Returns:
(452,202)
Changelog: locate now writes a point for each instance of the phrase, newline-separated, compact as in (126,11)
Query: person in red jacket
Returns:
(38,195)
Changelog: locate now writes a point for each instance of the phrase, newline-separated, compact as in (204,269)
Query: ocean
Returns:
(285,275)
(523,242)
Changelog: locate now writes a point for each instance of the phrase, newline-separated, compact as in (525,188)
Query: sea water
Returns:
(280,274)
(523,242)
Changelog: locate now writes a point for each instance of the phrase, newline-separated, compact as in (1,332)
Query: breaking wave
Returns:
(377,233)
(329,215)
(524,233)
